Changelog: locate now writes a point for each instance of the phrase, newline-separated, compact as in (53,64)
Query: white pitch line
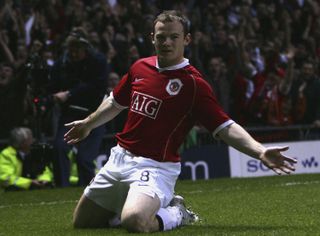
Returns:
(301,183)
(191,192)
(38,204)
(238,188)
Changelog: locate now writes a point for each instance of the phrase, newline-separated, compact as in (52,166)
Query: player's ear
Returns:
(152,37)
(187,39)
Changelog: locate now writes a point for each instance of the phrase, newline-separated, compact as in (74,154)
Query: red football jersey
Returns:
(164,104)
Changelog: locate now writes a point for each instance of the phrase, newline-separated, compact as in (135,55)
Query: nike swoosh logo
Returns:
(138,79)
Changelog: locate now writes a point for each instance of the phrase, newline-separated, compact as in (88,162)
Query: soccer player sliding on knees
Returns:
(165,96)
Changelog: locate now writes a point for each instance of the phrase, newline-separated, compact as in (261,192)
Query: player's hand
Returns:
(276,161)
(77,132)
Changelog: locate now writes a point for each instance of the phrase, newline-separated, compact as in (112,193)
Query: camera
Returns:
(37,82)
(37,74)
(38,78)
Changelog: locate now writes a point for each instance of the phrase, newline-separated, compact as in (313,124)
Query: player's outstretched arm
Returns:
(235,136)
(80,129)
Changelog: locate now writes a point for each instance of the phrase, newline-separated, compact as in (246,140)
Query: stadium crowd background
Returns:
(252,52)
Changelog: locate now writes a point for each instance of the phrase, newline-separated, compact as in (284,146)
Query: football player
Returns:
(165,96)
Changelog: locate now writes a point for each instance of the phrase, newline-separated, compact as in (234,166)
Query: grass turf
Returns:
(280,205)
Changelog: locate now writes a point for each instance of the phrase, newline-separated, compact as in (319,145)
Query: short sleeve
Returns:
(122,92)
(207,110)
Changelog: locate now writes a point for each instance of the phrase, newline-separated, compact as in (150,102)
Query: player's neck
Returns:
(166,65)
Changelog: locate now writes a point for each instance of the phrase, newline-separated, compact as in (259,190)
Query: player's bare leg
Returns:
(139,212)
(90,215)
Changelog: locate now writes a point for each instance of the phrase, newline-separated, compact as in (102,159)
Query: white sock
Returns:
(170,216)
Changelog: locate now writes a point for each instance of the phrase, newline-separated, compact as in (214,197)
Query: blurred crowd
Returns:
(261,57)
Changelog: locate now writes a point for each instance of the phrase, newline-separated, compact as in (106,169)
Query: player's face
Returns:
(169,41)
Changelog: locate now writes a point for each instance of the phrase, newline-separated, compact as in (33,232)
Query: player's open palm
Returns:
(77,132)
(276,161)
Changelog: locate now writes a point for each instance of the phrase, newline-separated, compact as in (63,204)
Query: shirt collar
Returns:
(184,63)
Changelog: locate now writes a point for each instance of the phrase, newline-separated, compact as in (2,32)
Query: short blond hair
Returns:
(171,16)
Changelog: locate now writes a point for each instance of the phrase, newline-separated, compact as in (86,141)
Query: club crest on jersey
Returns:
(145,104)
(174,86)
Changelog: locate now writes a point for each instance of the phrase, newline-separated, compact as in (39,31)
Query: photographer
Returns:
(16,172)
(78,86)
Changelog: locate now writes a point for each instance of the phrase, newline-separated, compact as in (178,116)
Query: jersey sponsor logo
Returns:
(174,86)
(145,104)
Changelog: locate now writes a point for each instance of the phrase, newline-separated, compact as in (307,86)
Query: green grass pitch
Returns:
(279,205)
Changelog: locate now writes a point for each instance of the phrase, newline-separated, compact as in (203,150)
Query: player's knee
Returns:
(77,223)
(77,220)
(135,222)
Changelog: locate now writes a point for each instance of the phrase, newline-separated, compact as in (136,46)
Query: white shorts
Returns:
(125,171)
